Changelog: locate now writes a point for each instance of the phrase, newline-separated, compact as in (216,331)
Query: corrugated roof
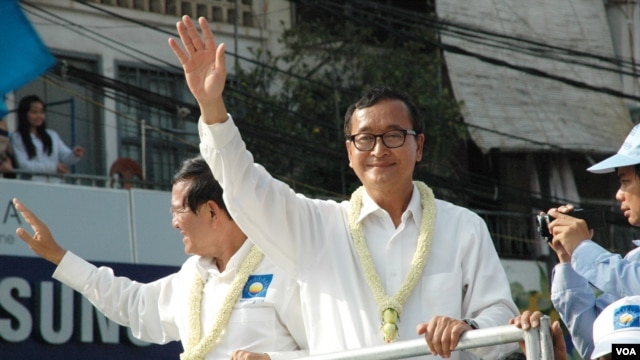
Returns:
(524,112)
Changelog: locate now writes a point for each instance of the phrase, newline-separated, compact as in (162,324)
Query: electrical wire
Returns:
(303,77)
(337,9)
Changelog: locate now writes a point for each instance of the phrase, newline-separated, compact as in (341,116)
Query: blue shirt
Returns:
(594,279)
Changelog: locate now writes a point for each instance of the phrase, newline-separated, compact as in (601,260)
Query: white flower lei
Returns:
(197,348)
(390,308)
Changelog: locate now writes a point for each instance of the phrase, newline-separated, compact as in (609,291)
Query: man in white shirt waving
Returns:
(391,253)
(226,302)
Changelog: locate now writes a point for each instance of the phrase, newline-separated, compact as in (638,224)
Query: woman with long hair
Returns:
(38,149)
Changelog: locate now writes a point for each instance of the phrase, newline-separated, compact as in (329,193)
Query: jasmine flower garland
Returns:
(197,348)
(390,308)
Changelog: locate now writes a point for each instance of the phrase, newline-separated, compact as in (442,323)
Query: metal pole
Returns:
(73,129)
(143,146)
(546,339)
(340,133)
(532,344)
(235,42)
(402,349)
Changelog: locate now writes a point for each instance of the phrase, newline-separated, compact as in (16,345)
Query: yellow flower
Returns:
(390,331)
(390,316)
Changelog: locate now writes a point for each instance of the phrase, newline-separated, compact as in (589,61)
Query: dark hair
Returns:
(24,127)
(204,186)
(376,94)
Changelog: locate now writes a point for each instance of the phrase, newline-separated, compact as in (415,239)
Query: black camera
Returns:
(594,219)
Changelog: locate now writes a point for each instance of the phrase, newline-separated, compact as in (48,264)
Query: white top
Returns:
(309,238)
(42,163)
(158,312)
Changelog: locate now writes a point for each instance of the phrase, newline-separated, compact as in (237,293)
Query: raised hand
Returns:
(42,242)
(204,67)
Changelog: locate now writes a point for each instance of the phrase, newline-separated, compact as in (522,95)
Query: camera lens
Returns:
(543,226)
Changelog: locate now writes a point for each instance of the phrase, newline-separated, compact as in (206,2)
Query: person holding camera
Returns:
(584,264)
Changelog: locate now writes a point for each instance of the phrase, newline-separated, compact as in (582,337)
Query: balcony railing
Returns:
(101,181)
(514,234)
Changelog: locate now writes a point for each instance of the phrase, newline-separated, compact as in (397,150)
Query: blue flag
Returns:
(24,55)
(3,108)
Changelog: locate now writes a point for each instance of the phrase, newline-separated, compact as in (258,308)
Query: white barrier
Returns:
(537,341)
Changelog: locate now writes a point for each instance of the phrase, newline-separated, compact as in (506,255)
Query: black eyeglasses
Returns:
(391,139)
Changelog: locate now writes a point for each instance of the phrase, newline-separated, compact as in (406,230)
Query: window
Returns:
(231,16)
(140,4)
(187,8)
(172,8)
(201,11)
(167,139)
(212,10)
(216,14)
(247,18)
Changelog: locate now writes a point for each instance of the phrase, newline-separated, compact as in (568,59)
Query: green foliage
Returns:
(292,120)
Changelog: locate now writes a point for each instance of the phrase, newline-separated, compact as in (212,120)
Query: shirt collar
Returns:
(205,265)
(414,210)
(634,255)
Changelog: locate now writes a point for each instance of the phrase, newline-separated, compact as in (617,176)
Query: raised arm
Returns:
(204,67)
(42,242)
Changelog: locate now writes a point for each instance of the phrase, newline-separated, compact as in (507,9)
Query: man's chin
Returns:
(187,248)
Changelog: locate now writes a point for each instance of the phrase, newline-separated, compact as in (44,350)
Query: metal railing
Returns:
(537,342)
(89,180)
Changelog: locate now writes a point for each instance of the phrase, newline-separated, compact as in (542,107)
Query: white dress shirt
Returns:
(158,312)
(310,238)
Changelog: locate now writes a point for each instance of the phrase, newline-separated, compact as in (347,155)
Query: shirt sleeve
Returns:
(290,312)
(127,302)
(577,305)
(257,202)
(65,154)
(487,298)
(607,271)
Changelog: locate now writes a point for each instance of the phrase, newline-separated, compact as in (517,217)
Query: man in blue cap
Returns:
(584,264)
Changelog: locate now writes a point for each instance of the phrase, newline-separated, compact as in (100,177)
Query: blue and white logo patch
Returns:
(626,316)
(256,287)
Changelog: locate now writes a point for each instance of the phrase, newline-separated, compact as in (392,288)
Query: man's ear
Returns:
(213,208)
(349,149)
